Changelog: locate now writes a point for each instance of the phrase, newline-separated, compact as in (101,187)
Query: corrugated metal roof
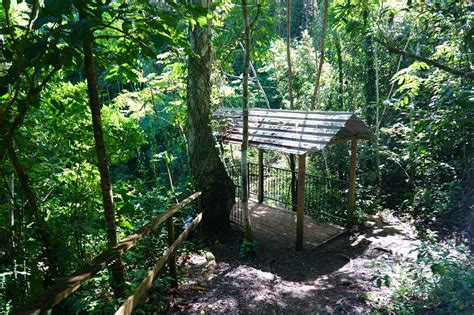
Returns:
(291,131)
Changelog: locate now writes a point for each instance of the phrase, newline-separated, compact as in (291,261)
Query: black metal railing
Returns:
(236,213)
(325,198)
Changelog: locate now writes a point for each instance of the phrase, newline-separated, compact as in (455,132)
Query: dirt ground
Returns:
(335,277)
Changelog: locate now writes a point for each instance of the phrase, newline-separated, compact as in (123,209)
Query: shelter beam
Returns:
(261,175)
(352,178)
(300,201)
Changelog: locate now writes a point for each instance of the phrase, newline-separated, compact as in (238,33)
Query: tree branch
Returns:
(393,49)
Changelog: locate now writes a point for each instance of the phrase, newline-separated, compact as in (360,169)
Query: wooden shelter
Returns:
(298,133)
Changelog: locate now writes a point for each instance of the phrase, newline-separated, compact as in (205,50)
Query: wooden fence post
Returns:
(260,176)
(172,261)
(352,178)
(300,201)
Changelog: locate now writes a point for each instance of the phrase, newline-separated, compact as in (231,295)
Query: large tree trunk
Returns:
(116,268)
(245,131)
(207,170)
(321,55)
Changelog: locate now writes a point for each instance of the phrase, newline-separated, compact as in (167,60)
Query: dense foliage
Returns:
(405,67)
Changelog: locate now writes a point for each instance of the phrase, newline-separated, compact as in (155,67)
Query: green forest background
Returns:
(404,67)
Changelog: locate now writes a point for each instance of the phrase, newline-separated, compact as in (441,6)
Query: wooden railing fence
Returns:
(68,285)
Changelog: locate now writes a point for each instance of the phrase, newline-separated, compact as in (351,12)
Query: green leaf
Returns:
(202,21)
(378,282)
(126,26)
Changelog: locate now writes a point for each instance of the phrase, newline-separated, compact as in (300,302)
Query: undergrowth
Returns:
(440,280)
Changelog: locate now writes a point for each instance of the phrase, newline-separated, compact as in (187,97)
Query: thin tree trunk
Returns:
(377,117)
(340,89)
(321,56)
(370,81)
(288,52)
(207,170)
(259,85)
(43,232)
(11,222)
(292,105)
(116,268)
(255,78)
(399,64)
(245,132)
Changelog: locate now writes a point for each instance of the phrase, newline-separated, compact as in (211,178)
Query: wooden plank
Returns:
(352,178)
(278,224)
(301,117)
(303,129)
(285,143)
(305,115)
(294,122)
(322,112)
(300,201)
(357,124)
(282,149)
(285,135)
(346,139)
(256,109)
(286,219)
(316,131)
(260,176)
(269,147)
(132,301)
(68,285)
(350,129)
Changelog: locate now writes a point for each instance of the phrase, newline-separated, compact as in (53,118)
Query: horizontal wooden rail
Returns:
(147,283)
(68,285)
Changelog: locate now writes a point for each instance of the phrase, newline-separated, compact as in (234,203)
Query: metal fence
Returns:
(325,198)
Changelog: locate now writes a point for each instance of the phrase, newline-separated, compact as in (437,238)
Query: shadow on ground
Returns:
(334,277)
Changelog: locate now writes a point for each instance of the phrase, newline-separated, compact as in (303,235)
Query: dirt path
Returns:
(335,277)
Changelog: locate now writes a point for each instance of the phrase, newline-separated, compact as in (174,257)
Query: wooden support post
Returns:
(260,176)
(352,178)
(300,201)
(172,260)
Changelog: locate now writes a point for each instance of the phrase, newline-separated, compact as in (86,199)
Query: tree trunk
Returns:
(292,105)
(370,81)
(207,170)
(116,268)
(255,78)
(321,55)
(245,132)
(288,52)
(43,231)
(377,118)
(340,88)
